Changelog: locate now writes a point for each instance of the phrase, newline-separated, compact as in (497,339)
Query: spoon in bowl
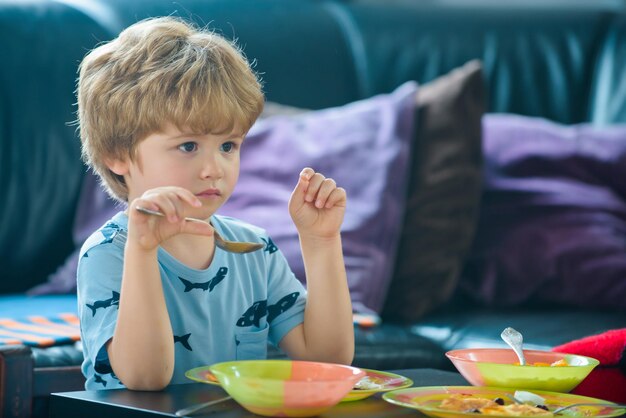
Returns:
(514,339)
(226,245)
(604,405)
(563,408)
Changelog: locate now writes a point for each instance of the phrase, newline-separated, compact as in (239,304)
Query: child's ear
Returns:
(119,167)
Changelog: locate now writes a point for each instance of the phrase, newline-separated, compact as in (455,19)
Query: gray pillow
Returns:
(443,196)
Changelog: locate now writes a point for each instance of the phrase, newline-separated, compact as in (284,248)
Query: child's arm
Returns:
(141,351)
(317,207)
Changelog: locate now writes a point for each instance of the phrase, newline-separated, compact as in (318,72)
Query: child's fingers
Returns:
(303,184)
(170,205)
(307,173)
(197,228)
(315,182)
(186,196)
(171,202)
(326,188)
(146,204)
(337,197)
(179,198)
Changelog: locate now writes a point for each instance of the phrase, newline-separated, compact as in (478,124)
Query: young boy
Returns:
(163,111)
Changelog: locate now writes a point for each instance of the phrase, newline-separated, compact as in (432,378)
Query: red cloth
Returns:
(608,380)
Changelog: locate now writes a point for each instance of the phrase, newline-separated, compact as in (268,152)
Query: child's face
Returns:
(207,165)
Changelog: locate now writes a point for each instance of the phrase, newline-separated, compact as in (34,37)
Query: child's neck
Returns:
(195,251)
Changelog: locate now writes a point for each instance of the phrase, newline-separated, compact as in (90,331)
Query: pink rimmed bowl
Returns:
(499,367)
(286,387)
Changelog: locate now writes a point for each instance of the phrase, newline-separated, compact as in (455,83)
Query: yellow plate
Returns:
(385,382)
(202,375)
(376,381)
(427,400)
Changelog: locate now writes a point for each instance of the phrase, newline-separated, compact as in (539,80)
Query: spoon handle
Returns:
(195,408)
(514,339)
(563,408)
(609,405)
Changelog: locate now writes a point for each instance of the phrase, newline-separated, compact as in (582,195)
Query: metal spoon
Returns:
(563,408)
(195,408)
(230,246)
(610,405)
(514,339)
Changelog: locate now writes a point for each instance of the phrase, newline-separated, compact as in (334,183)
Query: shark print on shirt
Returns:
(184,340)
(102,367)
(270,247)
(210,285)
(254,314)
(106,303)
(108,232)
(281,306)
(98,379)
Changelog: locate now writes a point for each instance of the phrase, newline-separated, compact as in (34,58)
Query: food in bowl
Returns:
(558,363)
(463,402)
(376,381)
(286,387)
(369,383)
(499,367)
(470,404)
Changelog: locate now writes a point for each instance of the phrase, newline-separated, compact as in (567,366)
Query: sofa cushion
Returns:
(40,168)
(444,194)
(364,146)
(390,347)
(543,328)
(553,221)
(38,321)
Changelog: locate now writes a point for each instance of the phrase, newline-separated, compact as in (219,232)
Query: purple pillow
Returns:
(553,218)
(364,147)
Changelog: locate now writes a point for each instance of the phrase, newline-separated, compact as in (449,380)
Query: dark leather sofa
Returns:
(312,54)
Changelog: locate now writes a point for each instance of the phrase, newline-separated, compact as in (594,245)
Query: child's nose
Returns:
(212,167)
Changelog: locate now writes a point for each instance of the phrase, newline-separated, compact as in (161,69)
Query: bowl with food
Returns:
(374,381)
(500,367)
(472,401)
(286,387)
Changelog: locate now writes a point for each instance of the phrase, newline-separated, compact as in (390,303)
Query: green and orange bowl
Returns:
(499,367)
(286,387)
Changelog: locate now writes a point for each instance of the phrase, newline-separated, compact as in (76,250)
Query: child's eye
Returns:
(188,147)
(228,147)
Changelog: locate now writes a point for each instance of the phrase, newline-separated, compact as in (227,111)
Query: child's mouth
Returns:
(210,193)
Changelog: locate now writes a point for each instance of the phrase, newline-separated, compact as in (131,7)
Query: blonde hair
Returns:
(155,72)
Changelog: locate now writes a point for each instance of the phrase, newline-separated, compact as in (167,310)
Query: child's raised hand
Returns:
(173,202)
(317,205)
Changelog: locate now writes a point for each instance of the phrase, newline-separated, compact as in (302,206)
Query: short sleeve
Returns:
(99,277)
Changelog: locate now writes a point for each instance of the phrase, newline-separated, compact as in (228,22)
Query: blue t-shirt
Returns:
(229,311)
